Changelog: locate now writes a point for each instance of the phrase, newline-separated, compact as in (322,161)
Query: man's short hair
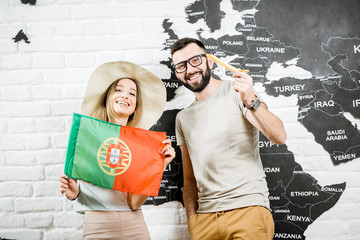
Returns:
(181,43)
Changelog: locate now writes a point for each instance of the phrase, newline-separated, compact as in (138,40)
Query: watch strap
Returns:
(255,105)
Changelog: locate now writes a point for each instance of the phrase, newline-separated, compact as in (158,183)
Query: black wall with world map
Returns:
(321,37)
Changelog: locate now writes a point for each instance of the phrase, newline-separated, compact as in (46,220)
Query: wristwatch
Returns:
(255,105)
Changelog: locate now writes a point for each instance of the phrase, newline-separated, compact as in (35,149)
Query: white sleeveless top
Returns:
(95,198)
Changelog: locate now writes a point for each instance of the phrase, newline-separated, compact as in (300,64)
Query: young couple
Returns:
(225,191)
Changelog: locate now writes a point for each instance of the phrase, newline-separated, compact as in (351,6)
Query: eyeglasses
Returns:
(193,61)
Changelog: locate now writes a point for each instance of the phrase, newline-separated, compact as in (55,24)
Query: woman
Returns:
(126,94)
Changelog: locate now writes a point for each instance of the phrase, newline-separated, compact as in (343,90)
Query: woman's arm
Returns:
(135,201)
(69,187)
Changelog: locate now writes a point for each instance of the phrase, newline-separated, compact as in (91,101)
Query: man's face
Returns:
(194,78)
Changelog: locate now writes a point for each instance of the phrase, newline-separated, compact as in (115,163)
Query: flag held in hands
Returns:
(113,156)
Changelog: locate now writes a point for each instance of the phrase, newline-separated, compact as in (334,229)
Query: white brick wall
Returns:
(43,82)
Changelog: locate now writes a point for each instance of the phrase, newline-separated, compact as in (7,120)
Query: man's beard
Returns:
(201,85)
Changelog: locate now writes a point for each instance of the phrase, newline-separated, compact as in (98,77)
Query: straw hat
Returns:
(152,89)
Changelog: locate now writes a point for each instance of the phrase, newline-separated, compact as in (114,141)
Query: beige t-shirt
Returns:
(224,151)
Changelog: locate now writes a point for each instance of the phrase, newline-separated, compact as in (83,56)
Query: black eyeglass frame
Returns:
(188,61)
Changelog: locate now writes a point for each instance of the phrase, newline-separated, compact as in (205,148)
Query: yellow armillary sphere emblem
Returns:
(114,156)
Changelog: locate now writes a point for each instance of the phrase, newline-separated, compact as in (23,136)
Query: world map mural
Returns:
(291,49)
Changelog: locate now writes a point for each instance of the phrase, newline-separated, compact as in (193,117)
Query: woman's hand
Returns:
(168,153)
(69,187)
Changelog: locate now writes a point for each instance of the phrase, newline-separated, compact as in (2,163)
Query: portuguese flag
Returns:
(113,156)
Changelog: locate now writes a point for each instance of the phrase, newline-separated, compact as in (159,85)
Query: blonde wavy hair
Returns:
(105,112)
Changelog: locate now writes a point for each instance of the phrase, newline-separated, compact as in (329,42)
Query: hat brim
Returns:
(153,91)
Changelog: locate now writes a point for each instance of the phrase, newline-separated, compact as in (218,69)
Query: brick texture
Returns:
(43,83)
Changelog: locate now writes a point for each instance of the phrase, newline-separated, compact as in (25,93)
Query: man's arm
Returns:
(269,124)
(190,191)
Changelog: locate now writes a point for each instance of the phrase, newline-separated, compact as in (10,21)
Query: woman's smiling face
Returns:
(124,97)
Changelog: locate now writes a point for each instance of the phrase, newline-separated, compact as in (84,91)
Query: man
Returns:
(225,191)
